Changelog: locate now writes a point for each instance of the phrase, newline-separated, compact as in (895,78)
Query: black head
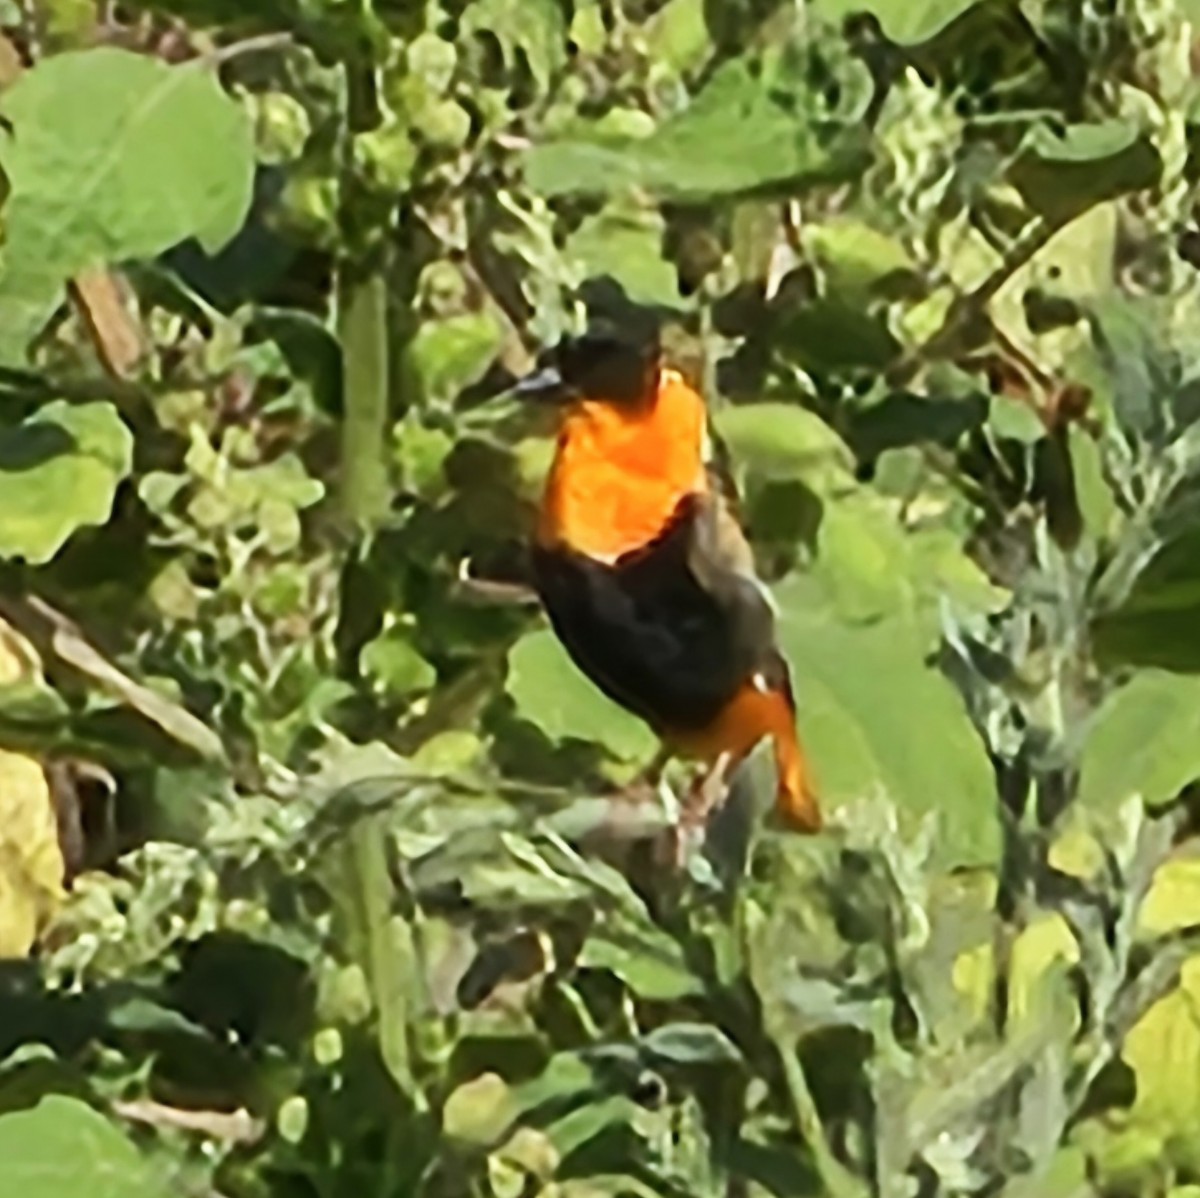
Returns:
(616,365)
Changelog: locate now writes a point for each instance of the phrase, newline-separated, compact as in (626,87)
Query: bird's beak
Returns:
(545,383)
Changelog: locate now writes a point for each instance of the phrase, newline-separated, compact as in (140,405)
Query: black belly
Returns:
(646,632)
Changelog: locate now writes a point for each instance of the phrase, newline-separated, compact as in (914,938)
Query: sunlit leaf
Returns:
(59,472)
(114,155)
(62,1147)
(734,138)
(1144,743)
(550,692)
(876,717)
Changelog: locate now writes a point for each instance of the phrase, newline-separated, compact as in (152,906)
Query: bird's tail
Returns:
(796,800)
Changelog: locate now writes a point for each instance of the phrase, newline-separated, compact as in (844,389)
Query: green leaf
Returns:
(908,22)
(59,471)
(678,35)
(1145,741)
(855,258)
(832,333)
(735,137)
(1015,421)
(649,963)
(64,1147)
(448,355)
(691,1044)
(871,566)
(780,441)
(874,716)
(534,27)
(114,156)
(395,665)
(1062,175)
(552,693)
(626,243)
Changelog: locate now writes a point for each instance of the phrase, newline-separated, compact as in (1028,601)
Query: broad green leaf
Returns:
(626,243)
(1145,742)
(550,692)
(908,22)
(59,471)
(872,567)
(875,717)
(782,441)
(114,155)
(447,355)
(1015,421)
(1062,175)
(63,1147)
(733,138)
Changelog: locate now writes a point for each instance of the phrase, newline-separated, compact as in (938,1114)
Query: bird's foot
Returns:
(707,793)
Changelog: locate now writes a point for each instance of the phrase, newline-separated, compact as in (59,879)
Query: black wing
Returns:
(649,633)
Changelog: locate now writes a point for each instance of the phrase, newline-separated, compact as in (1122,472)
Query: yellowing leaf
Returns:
(1164,1053)
(1041,944)
(31,862)
(1173,901)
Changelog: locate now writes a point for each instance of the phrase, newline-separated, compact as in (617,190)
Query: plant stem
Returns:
(837,1179)
(362,304)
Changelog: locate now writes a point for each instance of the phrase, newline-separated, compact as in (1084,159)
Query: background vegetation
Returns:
(312,880)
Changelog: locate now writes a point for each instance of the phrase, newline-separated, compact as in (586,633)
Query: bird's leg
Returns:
(707,793)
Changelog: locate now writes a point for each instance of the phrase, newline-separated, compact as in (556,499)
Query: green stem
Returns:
(838,1181)
(362,328)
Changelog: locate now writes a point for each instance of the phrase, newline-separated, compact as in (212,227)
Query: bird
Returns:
(644,571)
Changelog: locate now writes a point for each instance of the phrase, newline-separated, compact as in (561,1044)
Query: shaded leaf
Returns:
(1061,175)
(908,23)
(1154,624)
